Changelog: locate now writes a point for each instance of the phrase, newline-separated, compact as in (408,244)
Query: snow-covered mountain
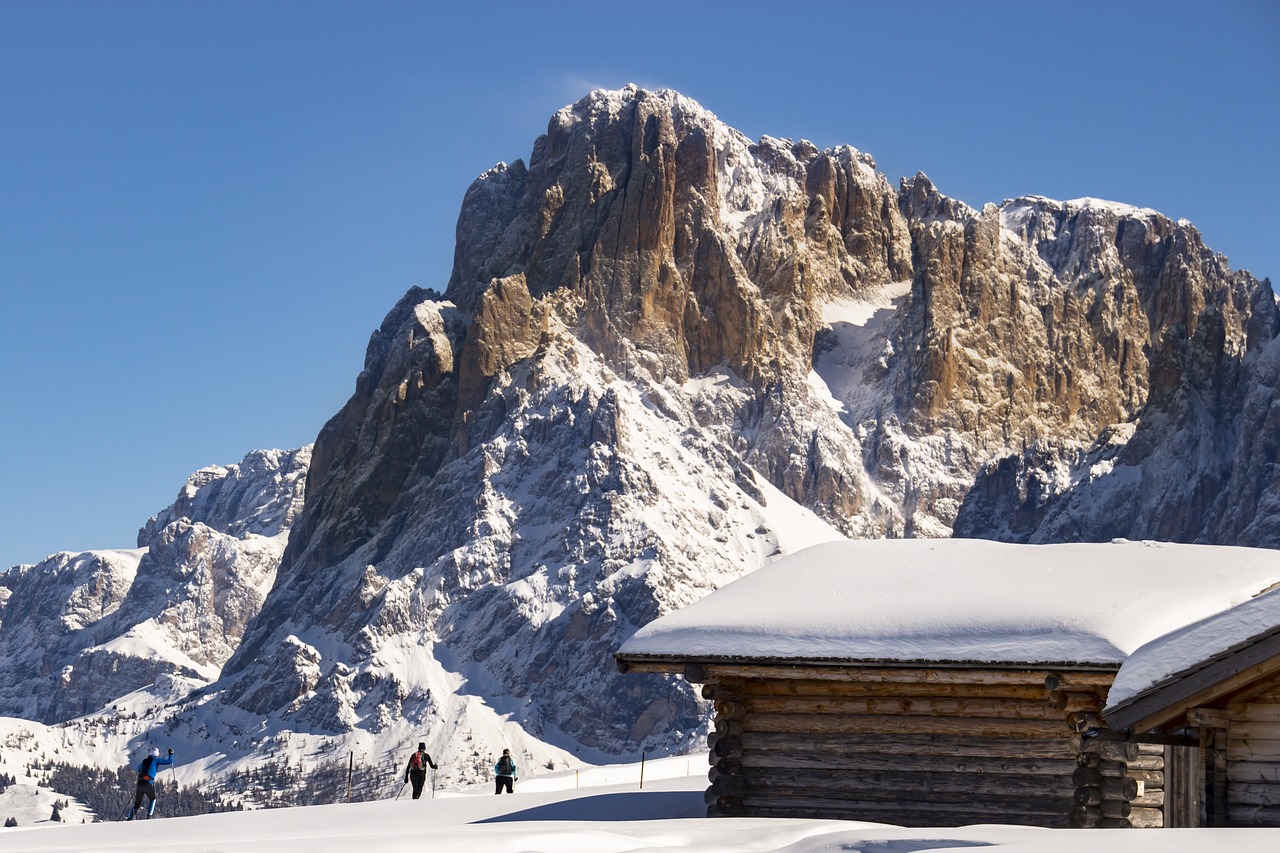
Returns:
(77,631)
(666,355)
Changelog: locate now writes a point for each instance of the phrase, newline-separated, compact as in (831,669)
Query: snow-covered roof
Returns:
(960,601)
(1192,646)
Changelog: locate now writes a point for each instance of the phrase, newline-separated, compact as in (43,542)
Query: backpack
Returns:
(144,770)
(506,766)
(415,761)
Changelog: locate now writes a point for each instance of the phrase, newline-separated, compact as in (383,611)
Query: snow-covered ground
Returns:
(603,810)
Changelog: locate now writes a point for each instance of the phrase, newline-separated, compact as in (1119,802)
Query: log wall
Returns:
(911,747)
(1253,762)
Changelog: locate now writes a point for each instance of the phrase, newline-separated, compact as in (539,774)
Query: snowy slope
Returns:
(613,814)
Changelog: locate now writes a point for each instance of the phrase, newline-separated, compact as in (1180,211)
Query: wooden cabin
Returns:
(936,682)
(1216,685)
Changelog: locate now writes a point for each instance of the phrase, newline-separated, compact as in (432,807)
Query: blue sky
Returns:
(207,207)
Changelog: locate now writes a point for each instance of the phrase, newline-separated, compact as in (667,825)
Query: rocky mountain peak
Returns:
(656,313)
(667,354)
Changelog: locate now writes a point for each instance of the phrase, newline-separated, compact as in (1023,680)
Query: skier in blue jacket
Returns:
(148,768)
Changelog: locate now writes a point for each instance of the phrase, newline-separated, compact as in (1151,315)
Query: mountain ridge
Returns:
(666,355)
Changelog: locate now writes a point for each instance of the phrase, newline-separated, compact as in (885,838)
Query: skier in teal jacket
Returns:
(148,768)
(504,773)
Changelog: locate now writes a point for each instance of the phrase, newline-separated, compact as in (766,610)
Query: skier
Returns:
(148,768)
(504,773)
(417,769)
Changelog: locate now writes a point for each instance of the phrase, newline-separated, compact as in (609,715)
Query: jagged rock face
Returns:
(1181,459)
(262,496)
(79,630)
(658,335)
(673,239)
(45,611)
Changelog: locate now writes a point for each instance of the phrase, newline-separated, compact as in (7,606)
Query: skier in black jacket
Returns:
(147,770)
(417,769)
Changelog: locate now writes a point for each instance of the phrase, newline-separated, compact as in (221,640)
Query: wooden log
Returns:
(1106,767)
(1214,718)
(1110,789)
(1118,751)
(1085,777)
(1118,789)
(718,806)
(1088,759)
(1019,709)
(1253,794)
(729,766)
(1083,721)
(1114,823)
(1152,779)
(1244,815)
(1084,681)
(728,728)
(729,786)
(1115,808)
(835,724)
(726,710)
(1256,713)
(1073,701)
(1147,762)
(1088,796)
(1014,803)
(905,782)
(710,691)
(880,742)
(861,689)
(1146,818)
(1149,798)
(1042,811)
(1252,749)
(893,675)
(817,757)
(1084,816)
(1249,730)
(727,746)
(1095,775)
(1253,771)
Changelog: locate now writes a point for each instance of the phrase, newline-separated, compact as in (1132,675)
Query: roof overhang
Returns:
(1212,682)
(797,667)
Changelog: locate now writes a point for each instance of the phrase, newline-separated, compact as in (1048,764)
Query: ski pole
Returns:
(173,777)
(433,783)
(401,791)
